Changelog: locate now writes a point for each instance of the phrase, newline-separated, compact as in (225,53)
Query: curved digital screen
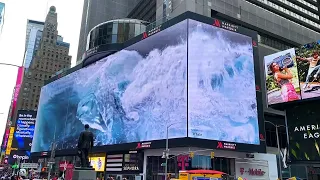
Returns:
(130,96)
(192,77)
(222,102)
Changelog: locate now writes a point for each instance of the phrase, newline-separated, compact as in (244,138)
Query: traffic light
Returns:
(212,155)
(191,154)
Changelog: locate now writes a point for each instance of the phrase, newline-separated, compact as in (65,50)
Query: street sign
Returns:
(29,165)
(163,164)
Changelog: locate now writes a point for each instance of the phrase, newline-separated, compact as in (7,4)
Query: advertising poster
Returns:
(308,57)
(17,90)
(304,132)
(98,163)
(25,125)
(10,139)
(282,81)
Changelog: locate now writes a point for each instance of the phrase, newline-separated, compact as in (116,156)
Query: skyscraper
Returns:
(32,26)
(32,46)
(50,55)
(2,11)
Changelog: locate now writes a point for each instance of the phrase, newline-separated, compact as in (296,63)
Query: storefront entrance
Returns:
(156,168)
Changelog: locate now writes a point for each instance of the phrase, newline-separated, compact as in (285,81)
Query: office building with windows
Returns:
(2,12)
(97,12)
(32,27)
(32,46)
(48,54)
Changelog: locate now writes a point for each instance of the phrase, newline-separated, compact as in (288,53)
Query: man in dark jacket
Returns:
(85,143)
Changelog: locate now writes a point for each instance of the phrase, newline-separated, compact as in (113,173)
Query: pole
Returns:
(167,153)
(279,151)
(6,64)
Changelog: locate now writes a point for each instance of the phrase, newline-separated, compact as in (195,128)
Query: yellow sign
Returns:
(98,163)
(191,154)
(8,150)
(212,155)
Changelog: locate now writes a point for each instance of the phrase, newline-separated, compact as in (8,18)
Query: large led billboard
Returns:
(24,130)
(130,96)
(304,132)
(293,74)
(222,103)
(193,78)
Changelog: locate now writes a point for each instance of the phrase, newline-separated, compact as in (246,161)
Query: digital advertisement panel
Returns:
(130,96)
(282,81)
(98,163)
(25,125)
(222,103)
(309,69)
(304,132)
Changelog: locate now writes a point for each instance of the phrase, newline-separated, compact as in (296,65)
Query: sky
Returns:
(12,39)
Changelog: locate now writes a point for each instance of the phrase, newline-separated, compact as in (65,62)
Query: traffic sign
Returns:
(163,164)
(29,165)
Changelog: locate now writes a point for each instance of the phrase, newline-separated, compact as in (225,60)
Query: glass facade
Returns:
(2,9)
(116,31)
(156,168)
(32,46)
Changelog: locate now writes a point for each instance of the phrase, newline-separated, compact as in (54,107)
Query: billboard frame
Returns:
(187,141)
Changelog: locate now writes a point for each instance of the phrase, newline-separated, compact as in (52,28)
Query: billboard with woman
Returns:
(309,69)
(282,80)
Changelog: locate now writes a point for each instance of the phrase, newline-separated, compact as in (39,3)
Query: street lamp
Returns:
(278,144)
(166,152)
(7,64)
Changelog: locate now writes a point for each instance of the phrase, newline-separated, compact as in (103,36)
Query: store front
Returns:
(156,168)
(225,161)
(128,165)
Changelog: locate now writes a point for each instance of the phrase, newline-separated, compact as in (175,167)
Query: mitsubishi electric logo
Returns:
(225,25)
(222,145)
(151,32)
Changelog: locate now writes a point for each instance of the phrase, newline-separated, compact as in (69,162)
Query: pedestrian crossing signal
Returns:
(191,154)
(212,155)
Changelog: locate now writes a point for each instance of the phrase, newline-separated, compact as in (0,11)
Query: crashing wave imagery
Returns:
(131,97)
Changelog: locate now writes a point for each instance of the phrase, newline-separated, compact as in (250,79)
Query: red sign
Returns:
(17,89)
(252,172)
(63,165)
(144,35)
(143,145)
(223,145)
(254,43)
(217,23)
(183,161)
(69,172)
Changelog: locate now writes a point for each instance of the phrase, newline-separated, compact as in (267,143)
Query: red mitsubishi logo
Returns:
(138,146)
(144,35)
(220,146)
(217,23)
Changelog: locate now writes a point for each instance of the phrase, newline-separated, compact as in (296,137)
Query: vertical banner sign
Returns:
(6,136)
(23,135)
(13,104)
(8,150)
(17,90)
